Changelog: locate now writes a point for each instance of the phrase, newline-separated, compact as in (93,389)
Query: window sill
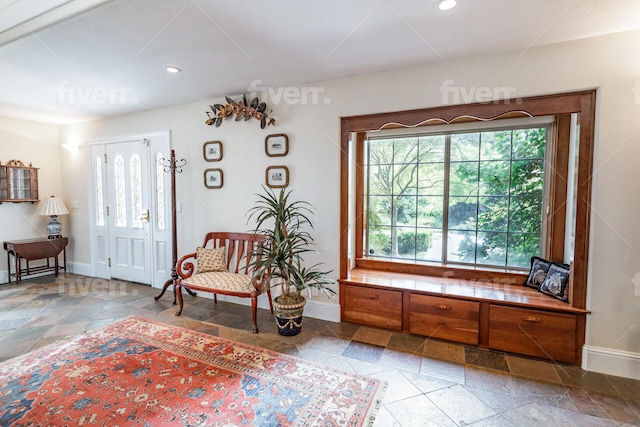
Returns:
(469,273)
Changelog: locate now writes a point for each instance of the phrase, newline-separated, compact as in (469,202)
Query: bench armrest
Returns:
(184,267)
(260,282)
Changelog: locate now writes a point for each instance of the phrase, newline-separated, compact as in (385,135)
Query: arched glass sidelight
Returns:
(160,216)
(136,191)
(99,193)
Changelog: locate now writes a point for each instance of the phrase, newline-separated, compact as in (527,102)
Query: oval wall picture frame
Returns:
(276,145)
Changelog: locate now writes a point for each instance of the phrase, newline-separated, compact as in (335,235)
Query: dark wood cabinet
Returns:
(18,183)
(444,318)
(375,307)
(533,332)
(511,318)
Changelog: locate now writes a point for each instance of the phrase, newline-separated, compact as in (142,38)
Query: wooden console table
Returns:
(34,249)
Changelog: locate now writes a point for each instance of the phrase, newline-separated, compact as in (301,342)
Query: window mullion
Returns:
(445,201)
(475,246)
(506,257)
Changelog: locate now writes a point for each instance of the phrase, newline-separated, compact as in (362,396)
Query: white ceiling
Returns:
(99,58)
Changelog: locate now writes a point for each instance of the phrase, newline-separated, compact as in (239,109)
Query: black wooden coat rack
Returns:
(173,167)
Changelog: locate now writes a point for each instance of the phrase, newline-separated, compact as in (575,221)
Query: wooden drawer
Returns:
(533,332)
(444,318)
(371,306)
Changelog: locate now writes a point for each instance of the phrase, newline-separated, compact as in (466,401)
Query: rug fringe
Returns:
(376,403)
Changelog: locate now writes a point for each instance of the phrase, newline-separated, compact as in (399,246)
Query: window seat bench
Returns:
(500,316)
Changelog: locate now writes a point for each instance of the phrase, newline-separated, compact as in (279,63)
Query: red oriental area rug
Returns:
(143,373)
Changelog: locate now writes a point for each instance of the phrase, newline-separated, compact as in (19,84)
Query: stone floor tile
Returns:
(67,329)
(498,400)
(575,377)
(367,352)
(535,414)
(440,369)
(333,345)
(425,383)
(97,324)
(418,411)
(495,421)
(460,405)
(394,359)
(24,334)
(342,330)
(603,405)
(398,386)
(385,419)
(442,350)
(412,344)
(365,368)
(626,387)
(485,358)
(487,379)
(373,336)
(532,368)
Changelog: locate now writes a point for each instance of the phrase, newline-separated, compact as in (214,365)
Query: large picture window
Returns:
(469,197)
(468,191)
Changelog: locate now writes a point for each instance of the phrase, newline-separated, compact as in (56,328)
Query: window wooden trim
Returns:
(560,105)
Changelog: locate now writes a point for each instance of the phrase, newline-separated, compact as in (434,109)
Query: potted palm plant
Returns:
(286,224)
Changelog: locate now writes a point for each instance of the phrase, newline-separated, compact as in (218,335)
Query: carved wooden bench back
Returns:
(240,247)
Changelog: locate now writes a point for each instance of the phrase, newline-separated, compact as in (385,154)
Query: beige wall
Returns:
(38,144)
(611,64)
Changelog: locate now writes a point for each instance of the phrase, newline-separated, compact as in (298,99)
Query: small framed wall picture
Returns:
(277,176)
(213,178)
(212,151)
(276,145)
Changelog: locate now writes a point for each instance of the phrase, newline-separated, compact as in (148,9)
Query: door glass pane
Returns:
(136,192)
(121,202)
(160,220)
(99,193)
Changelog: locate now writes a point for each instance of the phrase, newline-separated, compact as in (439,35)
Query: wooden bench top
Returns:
(507,294)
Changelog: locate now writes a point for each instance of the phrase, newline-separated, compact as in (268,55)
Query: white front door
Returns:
(128,219)
(130,238)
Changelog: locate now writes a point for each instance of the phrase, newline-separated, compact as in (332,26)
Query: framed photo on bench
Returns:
(277,176)
(213,178)
(276,145)
(212,151)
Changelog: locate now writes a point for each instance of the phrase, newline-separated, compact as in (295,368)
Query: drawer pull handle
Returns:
(373,297)
(443,307)
(531,319)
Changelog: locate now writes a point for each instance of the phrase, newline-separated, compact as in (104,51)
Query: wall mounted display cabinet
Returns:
(18,183)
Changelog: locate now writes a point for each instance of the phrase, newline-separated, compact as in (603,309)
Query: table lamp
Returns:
(53,207)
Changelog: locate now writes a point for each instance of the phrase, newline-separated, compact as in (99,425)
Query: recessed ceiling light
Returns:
(172,69)
(447,4)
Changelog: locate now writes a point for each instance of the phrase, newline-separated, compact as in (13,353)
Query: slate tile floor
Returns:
(431,382)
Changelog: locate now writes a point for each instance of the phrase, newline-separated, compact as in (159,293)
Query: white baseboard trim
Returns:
(316,309)
(612,362)
(80,268)
(4,276)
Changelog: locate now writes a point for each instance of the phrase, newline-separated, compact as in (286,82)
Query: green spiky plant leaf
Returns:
(285,223)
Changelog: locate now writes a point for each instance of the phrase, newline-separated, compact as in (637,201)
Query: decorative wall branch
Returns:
(242,110)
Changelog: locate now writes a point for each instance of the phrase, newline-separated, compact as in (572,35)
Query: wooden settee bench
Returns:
(222,266)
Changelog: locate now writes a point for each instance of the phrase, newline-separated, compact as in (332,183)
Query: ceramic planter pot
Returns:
(288,313)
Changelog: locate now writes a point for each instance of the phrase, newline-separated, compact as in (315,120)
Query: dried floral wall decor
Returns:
(241,110)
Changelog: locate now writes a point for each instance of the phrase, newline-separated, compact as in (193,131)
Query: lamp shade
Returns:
(52,206)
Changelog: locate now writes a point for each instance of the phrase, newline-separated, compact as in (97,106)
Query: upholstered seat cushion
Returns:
(221,280)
